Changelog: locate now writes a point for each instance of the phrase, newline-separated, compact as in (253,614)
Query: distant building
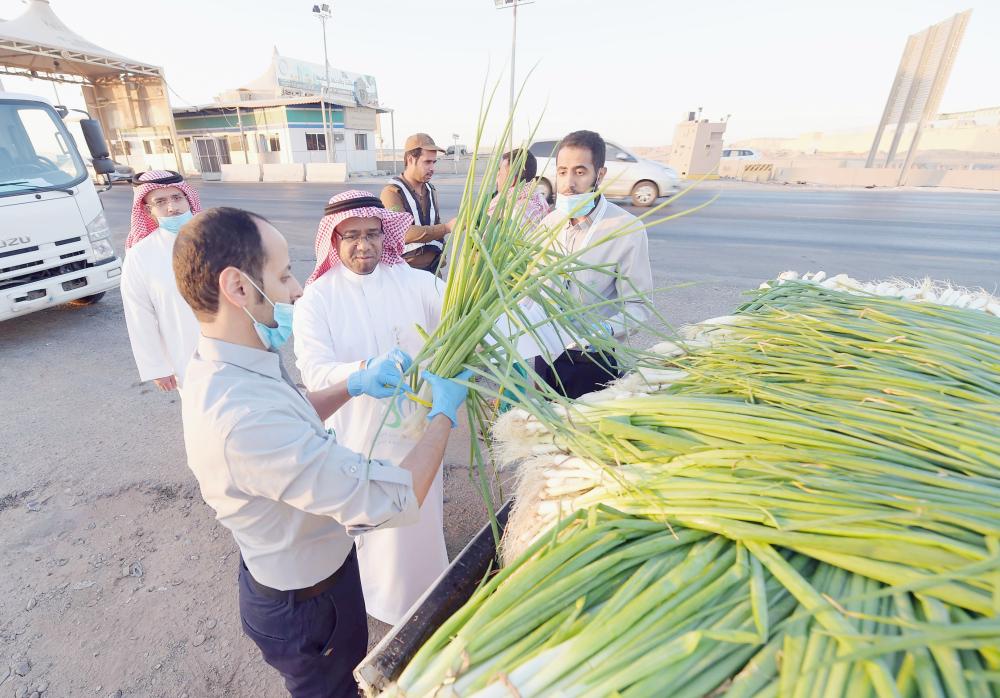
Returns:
(697,146)
(989,116)
(972,134)
(280,118)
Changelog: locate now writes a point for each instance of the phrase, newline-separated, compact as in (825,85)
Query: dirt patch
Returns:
(9,501)
(133,590)
(130,590)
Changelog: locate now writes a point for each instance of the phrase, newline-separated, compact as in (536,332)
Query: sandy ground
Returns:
(115,578)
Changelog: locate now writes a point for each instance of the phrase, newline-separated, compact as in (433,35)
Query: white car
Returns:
(740,154)
(629,176)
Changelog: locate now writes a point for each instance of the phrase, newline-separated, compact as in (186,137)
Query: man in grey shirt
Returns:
(291,495)
(607,238)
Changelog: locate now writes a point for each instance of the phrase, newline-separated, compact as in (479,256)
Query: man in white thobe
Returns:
(364,301)
(162,328)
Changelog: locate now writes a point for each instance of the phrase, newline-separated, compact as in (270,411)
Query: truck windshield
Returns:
(36,151)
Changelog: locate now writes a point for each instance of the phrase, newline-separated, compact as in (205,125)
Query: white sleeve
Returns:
(314,345)
(142,324)
(433,300)
(635,277)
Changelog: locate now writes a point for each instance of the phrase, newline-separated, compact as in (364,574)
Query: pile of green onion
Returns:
(801,501)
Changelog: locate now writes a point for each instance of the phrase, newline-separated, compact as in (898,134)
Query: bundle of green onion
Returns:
(816,480)
(506,300)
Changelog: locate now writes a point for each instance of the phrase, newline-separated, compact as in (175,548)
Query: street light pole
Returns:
(503,5)
(324,13)
(513,56)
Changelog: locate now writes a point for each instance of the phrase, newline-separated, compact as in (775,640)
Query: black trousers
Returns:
(575,373)
(315,644)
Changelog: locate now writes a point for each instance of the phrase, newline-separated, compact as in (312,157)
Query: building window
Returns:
(274,144)
(361,141)
(166,145)
(315,141)
(148,147)
(235,143)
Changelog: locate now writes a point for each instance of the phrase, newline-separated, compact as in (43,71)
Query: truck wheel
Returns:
(645,193)
(546,189)
(87,300)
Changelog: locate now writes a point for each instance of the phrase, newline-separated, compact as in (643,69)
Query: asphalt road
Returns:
(64,360)
(748,234)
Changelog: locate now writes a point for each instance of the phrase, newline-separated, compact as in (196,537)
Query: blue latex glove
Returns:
(382,377)
(447,395)
(602,328)
(512,397)
(395,354)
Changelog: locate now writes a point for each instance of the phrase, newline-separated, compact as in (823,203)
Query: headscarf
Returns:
(358,204)
(143,223)
(530,200)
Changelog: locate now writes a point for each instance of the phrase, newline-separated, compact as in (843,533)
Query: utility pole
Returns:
(503,5)
(324,13)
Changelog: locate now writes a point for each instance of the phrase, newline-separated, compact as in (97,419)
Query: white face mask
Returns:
(272,337)
(576,205)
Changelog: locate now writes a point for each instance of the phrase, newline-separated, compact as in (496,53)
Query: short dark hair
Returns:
(591,140)
(530,168)
(213,240)
(414,153)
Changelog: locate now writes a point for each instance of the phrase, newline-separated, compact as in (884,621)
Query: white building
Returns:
(280,118)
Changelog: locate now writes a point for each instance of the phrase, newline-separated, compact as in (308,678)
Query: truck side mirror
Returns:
(98,146)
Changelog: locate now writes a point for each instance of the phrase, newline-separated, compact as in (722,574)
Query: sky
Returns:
(629,69)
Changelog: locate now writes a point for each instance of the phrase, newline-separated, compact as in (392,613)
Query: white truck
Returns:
(54,245)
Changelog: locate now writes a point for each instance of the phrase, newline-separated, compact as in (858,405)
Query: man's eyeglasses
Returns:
(162,201)
(370,238)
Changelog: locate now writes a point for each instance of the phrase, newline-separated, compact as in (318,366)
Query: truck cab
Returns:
(54,238)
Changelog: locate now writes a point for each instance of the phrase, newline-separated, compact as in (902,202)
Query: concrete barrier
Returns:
(294,172)
(241,173)
(752,171)
(730,168)
(326,172)
(960,179)
(839,176)
(889,177)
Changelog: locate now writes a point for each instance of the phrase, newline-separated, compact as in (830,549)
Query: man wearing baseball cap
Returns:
(413,193)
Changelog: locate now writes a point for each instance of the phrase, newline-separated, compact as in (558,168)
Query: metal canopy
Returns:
(127,96)
(39,42)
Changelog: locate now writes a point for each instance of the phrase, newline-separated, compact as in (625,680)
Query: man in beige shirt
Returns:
(610,237)
(413,192)
(292,496)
